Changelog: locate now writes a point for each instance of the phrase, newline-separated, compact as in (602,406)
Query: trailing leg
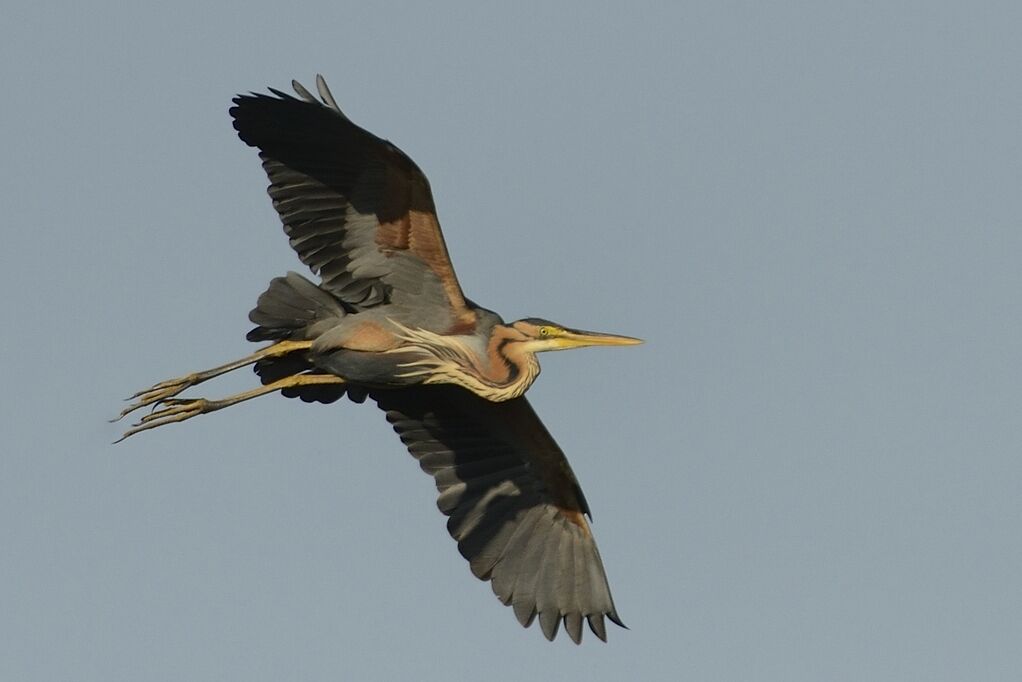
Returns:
(165,390)
(179,409)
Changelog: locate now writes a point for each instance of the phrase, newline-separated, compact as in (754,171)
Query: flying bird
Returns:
(388,321)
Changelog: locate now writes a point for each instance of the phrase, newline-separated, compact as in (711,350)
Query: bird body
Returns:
(388,321)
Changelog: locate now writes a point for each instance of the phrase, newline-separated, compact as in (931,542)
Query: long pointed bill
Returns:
(577,338)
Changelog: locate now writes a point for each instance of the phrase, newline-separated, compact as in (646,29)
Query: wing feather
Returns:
(514,504)
(357,210)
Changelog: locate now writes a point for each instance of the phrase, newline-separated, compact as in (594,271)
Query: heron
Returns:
(388,321)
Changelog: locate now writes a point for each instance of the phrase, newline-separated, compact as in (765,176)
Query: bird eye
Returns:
(544,331)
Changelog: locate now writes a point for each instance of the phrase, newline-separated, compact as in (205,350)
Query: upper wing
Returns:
(515,507)
(358,211)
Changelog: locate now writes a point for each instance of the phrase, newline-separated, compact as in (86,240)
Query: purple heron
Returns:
(388,321)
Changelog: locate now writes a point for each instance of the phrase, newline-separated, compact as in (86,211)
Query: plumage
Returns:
(388,321)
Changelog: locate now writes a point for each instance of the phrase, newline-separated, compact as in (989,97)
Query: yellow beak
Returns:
(577,338)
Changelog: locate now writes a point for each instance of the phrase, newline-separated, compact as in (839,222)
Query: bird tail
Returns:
(293,308)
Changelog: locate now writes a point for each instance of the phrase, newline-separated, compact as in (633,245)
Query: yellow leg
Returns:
(171,387)
(180,409)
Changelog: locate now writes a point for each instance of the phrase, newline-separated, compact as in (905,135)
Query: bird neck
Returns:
(501,370)
(512,366)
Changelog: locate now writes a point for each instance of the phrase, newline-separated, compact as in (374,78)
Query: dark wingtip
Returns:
(303,92)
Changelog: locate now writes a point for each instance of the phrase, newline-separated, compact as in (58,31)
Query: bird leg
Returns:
(164,390)
(179,409)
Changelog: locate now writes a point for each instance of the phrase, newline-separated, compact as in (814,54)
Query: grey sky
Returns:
(811,211)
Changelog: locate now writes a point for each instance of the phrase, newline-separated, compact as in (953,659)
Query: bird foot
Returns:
(160,393)
(172,410)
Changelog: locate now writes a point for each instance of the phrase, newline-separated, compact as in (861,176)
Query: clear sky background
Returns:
(810,210)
